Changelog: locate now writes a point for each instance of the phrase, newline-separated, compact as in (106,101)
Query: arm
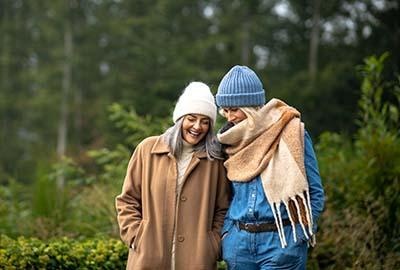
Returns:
(314,180)
(128,203)
(222,200)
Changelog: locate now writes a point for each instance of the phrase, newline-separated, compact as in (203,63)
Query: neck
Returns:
(186,147)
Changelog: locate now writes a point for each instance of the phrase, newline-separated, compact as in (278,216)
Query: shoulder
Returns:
(150,140)
(307,137)
(148,143)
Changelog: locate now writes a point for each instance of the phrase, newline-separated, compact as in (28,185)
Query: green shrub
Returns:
(359,227)
(63,253)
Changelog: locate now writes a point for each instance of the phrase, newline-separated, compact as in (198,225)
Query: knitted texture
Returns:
(270,143)
(196,99)
(240,87)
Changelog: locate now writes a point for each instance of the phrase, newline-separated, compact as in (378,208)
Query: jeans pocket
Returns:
(301,235)
(293,256)
(229,244)
(226,228)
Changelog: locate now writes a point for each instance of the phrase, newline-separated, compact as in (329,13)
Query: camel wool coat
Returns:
(148,209)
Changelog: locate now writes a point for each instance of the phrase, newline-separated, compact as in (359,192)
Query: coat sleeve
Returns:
(317,198)
(129,203)
(222,200)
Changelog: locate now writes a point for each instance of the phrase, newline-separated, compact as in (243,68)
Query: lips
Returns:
(194,133)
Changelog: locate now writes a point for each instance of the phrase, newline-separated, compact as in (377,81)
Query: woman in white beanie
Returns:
(175,193)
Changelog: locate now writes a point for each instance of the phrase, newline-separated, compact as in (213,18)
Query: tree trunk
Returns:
(314,41)
(66,89)
(78,116)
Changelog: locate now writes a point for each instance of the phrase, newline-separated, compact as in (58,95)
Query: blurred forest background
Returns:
(83,81)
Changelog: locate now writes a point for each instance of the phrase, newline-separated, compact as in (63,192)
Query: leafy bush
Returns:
(359,228)
(63,253)
(84,206)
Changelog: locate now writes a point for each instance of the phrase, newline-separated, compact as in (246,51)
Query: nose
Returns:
(230,116)
(197,125)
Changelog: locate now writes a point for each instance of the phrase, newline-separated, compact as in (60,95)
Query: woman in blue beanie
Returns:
(277,191)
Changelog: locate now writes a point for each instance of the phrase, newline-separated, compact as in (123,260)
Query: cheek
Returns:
(185,126)
(242,116)
(205,128)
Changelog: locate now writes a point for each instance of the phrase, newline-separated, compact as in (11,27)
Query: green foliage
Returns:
(136,127)
(46,210)
(222,265)
(359,229)
(63,253)
(315,100)
(93,210)
(84,206)
(133,129)
(143,53)
(98,200)
(14,207)
(69,169)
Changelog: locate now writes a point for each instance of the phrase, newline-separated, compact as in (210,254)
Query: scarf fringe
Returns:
(308,233)
(292,223)
(300,218)
(309,216)
(278,221)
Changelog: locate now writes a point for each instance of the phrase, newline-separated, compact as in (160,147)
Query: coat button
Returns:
(181,238)
(183,198)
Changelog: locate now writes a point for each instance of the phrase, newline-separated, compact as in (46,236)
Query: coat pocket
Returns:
(215,243)
(138,237)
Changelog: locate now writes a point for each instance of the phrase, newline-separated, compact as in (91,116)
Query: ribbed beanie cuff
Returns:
(241,100)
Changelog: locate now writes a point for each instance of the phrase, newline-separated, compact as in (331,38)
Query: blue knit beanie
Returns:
(240,87)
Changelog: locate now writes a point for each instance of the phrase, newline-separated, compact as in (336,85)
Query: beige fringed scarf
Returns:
(270,143)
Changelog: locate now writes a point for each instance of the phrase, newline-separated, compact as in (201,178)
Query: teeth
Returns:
(194,133)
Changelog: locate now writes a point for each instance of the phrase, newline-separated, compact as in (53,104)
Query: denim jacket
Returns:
(249,203)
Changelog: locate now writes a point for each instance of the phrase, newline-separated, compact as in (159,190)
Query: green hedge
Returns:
(62,253)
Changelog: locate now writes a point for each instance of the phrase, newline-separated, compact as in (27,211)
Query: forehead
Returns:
(230,108)
(198,116)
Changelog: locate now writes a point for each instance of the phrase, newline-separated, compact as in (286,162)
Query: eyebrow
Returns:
(201,117)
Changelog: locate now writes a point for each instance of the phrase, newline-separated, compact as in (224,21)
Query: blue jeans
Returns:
(242,250)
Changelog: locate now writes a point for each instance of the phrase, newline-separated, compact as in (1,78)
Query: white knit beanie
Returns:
(196,99)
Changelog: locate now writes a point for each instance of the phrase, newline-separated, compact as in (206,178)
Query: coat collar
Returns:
(160,147)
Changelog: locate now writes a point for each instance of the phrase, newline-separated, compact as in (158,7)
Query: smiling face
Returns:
(234,115)
(195,128)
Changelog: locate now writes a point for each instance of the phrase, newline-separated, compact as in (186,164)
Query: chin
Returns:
(194,141)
